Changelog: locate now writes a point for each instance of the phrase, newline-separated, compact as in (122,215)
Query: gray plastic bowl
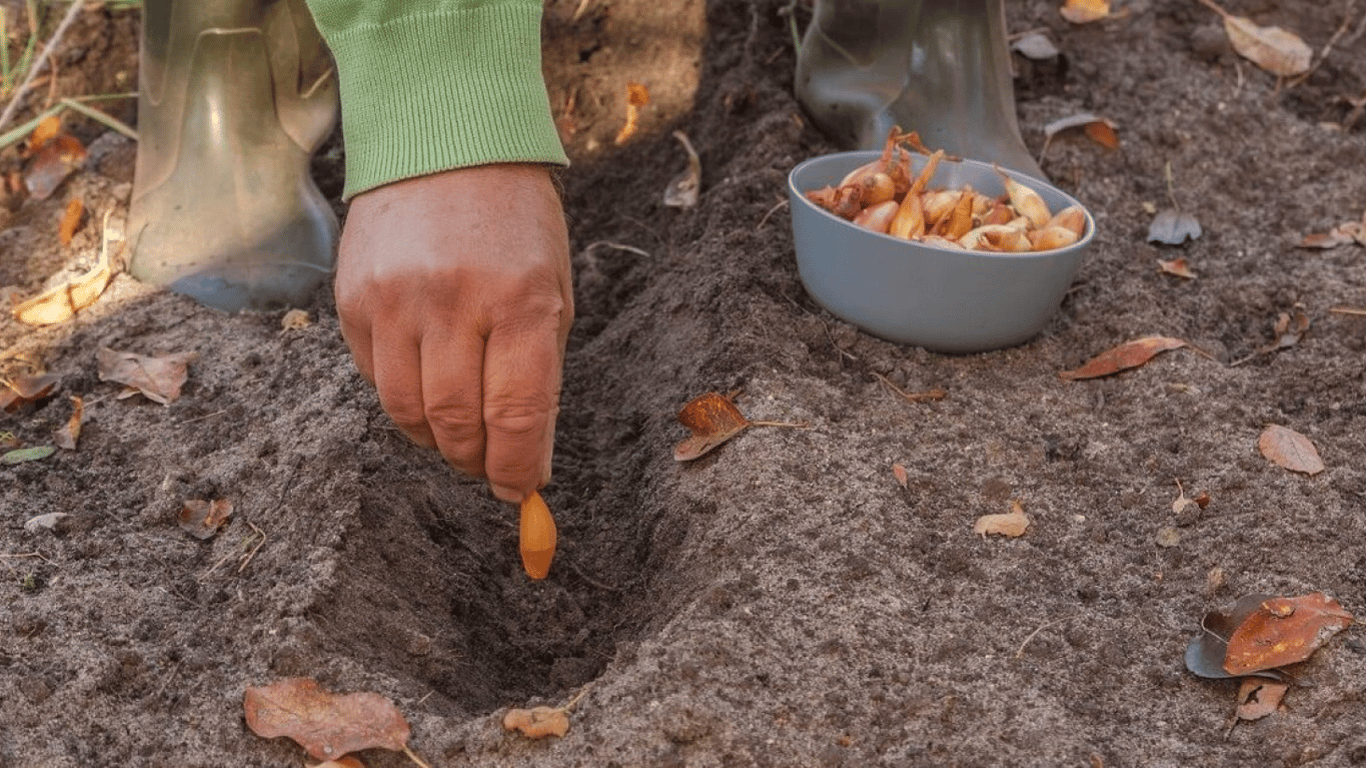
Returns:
(939,299)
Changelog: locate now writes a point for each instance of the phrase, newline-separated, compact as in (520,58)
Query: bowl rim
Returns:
(1087,236)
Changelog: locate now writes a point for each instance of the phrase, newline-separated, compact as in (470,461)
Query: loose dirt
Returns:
(782,601)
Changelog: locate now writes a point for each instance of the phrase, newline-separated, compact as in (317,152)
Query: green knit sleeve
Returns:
(430,85)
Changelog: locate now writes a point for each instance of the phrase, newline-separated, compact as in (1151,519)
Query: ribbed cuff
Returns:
(443,89)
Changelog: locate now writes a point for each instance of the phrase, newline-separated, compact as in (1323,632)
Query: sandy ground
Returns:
(783,601)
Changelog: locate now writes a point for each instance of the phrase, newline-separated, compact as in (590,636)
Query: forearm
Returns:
(431,85)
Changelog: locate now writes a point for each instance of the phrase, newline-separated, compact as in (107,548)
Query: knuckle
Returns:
(454,419)
(519,419)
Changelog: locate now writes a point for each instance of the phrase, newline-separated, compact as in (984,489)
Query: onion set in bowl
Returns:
(882,196)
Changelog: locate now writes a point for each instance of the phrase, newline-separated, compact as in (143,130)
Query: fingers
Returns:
(451,378)
(396,370)
(522,366)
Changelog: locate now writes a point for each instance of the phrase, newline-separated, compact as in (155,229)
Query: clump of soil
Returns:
(783,600)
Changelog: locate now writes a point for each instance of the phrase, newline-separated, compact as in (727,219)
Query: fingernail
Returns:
(506,494)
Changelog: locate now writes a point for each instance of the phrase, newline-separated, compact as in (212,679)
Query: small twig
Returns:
(617,246)
(254,549)
(1348,311)
(22,555)
(201,418)
(781,204)
(790,424)
(109,121)
(1019,653)
(48,50)
(577,698)
(1323,54)
(413,756)
(578,12)
(591,581)
(927,396)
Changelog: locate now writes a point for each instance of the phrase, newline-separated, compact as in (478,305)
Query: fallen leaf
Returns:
(899,472)
(1173,227)
(1098,129)
(21,455)
(1177,267)
(1276,50)
(158,378)
(1289,328)
(1284,630)
(1342,234)
(537,722)
(52,163)
(683,189)
(201,518)
(1259,697)
(637,96)
(713,419)
(67,435)
(61,303)
(46,130)
(327,725)
(1035,46)
(1128,355)
(1084,11)
(23,390)
(1206,652)
(1167,537)
(71,219)
(45,522)
(1290,449)
(1012,523)
(345,762)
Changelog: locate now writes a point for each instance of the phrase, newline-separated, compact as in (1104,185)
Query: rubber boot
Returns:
(234,98)
(937,67)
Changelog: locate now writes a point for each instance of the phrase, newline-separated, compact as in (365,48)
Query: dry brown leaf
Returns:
(345,762)
(1259,697)
(899,472)
(713,419)
(1342,234)
(1284,630)
(52,163)
(1290,328)
(1177,267)
(327,725)
(1276,50)
(1128,355)
(158,378)
(71,219)
(61,303)
(1290,449)
(22,390)
(201,518)
(1012,523)
(1084,11)
(47,129)
(1097,129)
(67,435)
(537,722)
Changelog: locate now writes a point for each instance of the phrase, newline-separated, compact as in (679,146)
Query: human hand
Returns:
(455,298)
